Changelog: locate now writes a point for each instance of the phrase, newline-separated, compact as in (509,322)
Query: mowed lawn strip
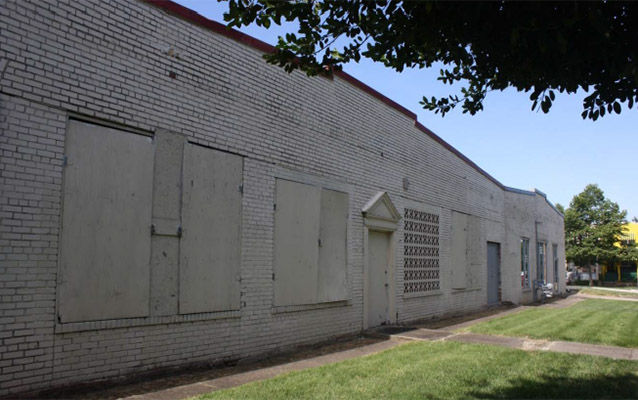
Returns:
(607,322)
(449,370)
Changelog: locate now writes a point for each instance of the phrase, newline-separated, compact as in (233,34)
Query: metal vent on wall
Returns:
(420,251)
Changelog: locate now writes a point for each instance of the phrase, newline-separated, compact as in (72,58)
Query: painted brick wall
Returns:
(530,216)
(113,61)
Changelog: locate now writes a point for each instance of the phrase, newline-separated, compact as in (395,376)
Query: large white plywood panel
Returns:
(458,256)
(105,238)
(296,243)
(332,280)
(211,220)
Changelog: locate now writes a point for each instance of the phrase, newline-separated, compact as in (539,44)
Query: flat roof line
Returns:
(217,27)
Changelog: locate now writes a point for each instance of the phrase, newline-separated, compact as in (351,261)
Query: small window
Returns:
(555,253)
(525,263)
(541,261)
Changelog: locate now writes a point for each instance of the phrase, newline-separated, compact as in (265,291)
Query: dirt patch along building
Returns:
(169,198)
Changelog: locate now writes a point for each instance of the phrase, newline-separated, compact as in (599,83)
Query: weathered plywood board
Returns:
(296,243)
(211,220)
(167,199)
(332,280)
(105,238)
(475,252)
(458,256)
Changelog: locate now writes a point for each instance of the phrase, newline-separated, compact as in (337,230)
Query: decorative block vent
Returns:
(420,251)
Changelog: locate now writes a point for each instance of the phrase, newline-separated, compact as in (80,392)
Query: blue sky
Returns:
(559,153)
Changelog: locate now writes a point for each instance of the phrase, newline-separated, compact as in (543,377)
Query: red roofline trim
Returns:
(192,16)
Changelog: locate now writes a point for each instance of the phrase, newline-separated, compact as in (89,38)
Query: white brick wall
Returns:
(109,61)
(530,216)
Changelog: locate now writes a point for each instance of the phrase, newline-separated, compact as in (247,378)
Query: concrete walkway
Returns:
(624,290)
(595,296)
(617,353)
(614,352)
(199,388)
(406,334)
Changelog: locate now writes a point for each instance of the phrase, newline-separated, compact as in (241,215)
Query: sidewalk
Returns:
(624,290)
(594,296)
(449,334)
(199,388)
(396,336)
(616,353)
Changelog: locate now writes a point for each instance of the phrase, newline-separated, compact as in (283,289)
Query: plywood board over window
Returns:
(296,243)
(458,257)
(467,254)
(310,244)
(211,220)
(332,283)
(105,238)
(475,254)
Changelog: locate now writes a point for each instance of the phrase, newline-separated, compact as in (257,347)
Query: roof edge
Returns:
(217,27)
(534,192)
(460,155)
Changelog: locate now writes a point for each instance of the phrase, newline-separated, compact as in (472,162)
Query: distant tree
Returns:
(593,228)
(560,208)
(635,219)
(536,47)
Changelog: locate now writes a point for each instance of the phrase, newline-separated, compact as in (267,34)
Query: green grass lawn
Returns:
(608,322)
(448,370)
(608,293)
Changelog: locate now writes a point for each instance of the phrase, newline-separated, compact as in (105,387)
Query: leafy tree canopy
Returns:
(560,208)
(593,227)
(536,47)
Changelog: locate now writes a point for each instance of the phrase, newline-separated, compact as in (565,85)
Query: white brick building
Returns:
(169,198)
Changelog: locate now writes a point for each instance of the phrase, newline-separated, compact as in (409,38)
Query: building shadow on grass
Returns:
(168,378)
(623,386)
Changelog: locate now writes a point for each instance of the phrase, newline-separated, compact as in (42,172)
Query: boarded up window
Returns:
(476,252)
(421,251)
(332,282)
(211,220)
(310,244)
(466,252)
(105,237)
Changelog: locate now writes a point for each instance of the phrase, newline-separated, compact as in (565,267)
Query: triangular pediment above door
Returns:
(380,212)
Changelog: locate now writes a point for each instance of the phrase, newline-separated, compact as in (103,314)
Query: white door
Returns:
(378,282)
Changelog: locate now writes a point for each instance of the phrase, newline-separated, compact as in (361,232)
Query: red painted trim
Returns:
(194,17)
(357,83)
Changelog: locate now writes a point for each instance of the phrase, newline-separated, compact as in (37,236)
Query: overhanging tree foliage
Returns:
(593,228)
(537,47)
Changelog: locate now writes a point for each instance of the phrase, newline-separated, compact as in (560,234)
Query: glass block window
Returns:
(420,251)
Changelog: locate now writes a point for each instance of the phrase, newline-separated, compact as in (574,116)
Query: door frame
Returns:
(391,281)
(380,215)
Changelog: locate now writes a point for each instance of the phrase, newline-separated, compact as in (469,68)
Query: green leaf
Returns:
(617,108)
